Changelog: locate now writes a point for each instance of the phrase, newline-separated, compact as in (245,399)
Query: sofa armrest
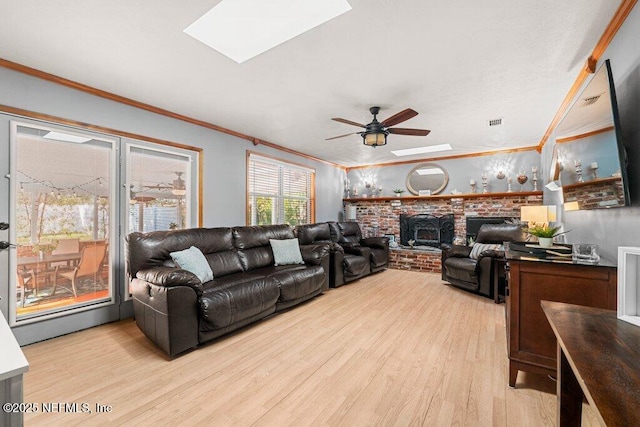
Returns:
(457,251)
(167,277)
(315,253)
(376,242)
(358,250)
(167,315)
(491,253)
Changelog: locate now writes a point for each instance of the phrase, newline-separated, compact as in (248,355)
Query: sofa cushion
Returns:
(234,301)
(152,249)
(345,232)
(355,265)
(194,261)
(286,252)
(313,233)
(253,245)
(478,248)
(499,233)
(379,257)
(298,281)
(462,269)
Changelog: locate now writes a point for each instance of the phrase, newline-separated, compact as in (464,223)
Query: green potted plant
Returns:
(398,192)
(42,248)
(544,233)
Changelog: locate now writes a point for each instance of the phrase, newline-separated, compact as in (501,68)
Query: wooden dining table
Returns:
(43,264)
(49,259)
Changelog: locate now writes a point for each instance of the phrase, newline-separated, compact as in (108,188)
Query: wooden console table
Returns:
(598,358)
(531,279)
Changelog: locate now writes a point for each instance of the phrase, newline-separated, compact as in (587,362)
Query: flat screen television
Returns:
(589,158)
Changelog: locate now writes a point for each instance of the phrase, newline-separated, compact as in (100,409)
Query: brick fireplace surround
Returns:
(383,214)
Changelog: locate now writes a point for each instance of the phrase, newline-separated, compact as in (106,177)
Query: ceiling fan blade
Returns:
(400,117)
(341,136)
(407,131)
(349,122)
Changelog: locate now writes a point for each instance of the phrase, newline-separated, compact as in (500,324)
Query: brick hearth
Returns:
(415,260)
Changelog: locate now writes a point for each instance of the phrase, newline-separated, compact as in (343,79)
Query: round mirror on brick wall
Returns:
(427,179)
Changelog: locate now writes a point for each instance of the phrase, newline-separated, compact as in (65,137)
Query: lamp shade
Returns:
(571,206)
(538,214)
(350,213)
(374,139)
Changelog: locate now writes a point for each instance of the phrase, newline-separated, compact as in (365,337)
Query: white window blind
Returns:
(279,192)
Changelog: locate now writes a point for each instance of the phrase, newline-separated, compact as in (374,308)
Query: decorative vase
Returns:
(545,242)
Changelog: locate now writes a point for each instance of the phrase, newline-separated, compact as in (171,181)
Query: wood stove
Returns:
(426,230)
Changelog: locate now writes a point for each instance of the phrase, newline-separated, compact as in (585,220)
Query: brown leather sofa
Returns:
(352,257)
(476,275)
(178,312)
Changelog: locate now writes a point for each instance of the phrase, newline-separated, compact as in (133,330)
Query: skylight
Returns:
(422,150)
(242,29)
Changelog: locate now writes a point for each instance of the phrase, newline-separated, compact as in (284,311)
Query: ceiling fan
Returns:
(177,187)
(375,133)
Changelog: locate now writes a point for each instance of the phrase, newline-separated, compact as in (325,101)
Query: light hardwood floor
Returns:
(396,348)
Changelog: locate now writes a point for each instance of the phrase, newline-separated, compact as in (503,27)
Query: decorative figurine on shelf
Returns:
(347,190)
(578,165)
(472,183)
(509,182)
(594,168)
(485,182)
(411,243)
(522,179)
(534,178)
(355,191)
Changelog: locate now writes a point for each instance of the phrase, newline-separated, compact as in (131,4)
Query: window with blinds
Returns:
(279,192)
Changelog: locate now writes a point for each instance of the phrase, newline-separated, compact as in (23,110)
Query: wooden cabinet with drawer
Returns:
(530,340)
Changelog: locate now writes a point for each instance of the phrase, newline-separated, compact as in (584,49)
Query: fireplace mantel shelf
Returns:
(445,196)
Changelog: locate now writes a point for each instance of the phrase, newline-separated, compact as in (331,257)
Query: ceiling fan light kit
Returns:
(375,133)
(374,139)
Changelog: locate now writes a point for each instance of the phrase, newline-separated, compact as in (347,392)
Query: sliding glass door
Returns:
(63,199)
(73,195)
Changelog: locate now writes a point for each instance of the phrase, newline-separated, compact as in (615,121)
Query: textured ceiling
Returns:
(457,63)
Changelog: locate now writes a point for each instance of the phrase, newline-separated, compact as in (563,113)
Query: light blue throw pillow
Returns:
(193,260)
(286,252)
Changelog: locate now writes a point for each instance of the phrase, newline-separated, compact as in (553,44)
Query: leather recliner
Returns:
(361,256)
(476,275)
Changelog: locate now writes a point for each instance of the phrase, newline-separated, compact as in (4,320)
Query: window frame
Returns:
(280,163)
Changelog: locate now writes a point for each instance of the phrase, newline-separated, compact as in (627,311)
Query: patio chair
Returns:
(25,278)
(90,266)
(63,247)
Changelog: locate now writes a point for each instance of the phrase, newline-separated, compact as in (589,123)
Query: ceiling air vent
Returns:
(590,101)
(495,122)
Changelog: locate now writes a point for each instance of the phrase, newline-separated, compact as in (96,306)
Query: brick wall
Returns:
(596,194)
(382,216)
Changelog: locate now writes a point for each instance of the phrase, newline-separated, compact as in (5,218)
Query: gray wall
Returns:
(610,228)
(224,174)
(224,155)
(460,171)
